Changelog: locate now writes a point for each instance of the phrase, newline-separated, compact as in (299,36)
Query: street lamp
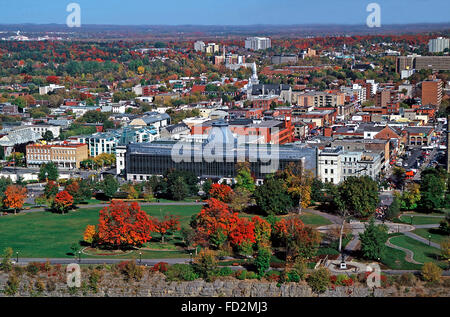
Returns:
(17,256)
(79,256)
(140,257)
(191,256)
(429,240)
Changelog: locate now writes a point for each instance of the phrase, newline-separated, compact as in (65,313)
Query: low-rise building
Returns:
(66,155)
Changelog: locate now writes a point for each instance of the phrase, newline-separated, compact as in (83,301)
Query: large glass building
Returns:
(215,158)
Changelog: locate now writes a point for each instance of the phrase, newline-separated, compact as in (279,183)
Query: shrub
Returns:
(33,268)
(181,272)
(12,285)
(160,267)
(224,271)
(342,280)
(431,272)
(6,262)
(130,270)
(445,249)
(94,279)
(205,262)
(241,274)
(273,276)
(262,260)
(293,276)
(319,280)
(406,279)
(251,275)
(301,268)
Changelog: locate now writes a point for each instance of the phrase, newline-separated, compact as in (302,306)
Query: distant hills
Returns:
(87,31)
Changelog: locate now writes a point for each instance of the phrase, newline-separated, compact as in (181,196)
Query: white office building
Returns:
(438,45)
(257,43)
(199,46)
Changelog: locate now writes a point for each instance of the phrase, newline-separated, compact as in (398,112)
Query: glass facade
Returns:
(157,157)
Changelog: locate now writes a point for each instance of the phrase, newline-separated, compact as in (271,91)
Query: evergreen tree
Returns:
(373,240)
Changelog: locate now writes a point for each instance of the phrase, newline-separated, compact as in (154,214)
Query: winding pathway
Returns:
(409,257)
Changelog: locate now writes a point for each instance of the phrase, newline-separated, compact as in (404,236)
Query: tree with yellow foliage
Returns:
(298,182)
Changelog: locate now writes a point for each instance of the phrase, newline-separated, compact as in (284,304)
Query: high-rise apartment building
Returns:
(257,43)
(438,45)
(432,92)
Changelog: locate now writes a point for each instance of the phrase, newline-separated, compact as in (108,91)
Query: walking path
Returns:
(409,257)
(421,239)
(333,218)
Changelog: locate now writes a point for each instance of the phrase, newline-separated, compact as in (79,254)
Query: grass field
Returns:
(48,235)
(44,234)
(435,236)
(420,220)
(422,252)
(395,259)
(314,220)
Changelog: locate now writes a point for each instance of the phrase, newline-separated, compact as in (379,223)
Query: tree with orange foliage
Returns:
(15,196)
(63,201)
(168,225)
(124,224)
(216,225)
(221,192)
(301,241)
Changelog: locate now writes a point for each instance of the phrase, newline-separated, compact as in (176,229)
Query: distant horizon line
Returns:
(234,25)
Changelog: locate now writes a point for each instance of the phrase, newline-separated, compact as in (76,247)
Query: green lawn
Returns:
(314,220)
(44,234)
(422,252)
(395,259)
(420,220)
(435,237)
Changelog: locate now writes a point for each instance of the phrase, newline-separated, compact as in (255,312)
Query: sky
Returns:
(224,12)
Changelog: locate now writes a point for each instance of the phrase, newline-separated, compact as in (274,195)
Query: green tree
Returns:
(394,209)
(373,240)
(48,136)
(206,187)
(359,195)
(48,171)
(178,190)
(110,185)
(432,190)
(272,197)
(244,177)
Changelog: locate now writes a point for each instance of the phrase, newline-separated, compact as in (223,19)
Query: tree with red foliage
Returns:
(221,192)
(52,79)
(300,240)
(168,225)
(216,225)
(63,201)
(124,224)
